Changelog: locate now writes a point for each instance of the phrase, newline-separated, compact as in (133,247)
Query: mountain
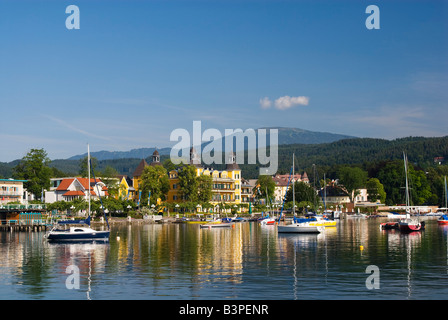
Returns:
(301,136)
(140,153)
(285,136)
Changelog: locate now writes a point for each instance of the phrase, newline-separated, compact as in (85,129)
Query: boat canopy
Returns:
(301,220)
(86,221)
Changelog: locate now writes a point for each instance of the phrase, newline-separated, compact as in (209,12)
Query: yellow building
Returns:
(226,183)
(125,188)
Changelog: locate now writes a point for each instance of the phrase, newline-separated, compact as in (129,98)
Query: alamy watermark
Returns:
(212,153)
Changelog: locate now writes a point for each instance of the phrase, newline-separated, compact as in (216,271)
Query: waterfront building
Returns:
(136,177)
(227,184)
(11,190)
(125,188)
(69,189)
(247,193)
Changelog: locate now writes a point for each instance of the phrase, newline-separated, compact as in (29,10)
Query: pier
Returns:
(26,218)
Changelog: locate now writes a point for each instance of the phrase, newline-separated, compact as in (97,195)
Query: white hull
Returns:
(299,228)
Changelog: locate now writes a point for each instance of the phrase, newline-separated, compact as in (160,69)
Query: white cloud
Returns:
(284,102)
(265,103)
(287,102)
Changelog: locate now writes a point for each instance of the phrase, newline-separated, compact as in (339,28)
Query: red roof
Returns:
(74,193)
(65,183)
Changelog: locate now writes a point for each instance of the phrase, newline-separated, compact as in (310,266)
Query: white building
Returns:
(69,189)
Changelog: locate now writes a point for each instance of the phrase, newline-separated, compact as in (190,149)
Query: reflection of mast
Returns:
(408,251)
(89,279)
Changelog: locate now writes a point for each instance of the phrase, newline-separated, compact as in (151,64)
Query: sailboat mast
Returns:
(88,175)
(293,189)
(446,196)
(407,183)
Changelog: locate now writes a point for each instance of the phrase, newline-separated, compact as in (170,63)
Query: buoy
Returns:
(361,248)
(118,238)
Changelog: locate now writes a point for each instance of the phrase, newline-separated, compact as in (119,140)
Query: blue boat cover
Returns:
(445,217)
(301,220)
(86,221)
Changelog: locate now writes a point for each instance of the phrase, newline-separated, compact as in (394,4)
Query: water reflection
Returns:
(181,261)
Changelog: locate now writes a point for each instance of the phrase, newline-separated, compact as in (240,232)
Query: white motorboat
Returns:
(302,227)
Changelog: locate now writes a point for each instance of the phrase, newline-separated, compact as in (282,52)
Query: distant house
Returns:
(439,160)
(69,189)
(11,190)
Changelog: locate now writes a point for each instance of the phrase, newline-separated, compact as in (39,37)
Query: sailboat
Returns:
(80,230)
(267,220)
(443,220)
(408,224)
(298,225)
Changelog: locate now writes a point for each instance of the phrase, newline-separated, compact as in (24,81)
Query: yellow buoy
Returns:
(361,248)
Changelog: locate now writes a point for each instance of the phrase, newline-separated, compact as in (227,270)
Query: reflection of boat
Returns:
(443,220)
(72,230)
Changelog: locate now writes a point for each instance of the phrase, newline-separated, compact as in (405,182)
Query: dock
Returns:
(27,218)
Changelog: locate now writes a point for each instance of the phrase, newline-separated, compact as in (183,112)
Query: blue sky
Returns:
(137,70)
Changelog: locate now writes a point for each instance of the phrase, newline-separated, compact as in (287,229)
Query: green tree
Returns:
(352,179)
(375,190)
(34,168)
(154,179)
(205,184)
(264,184)
(188,183)
(303,193)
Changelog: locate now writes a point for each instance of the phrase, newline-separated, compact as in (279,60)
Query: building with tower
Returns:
(226,183)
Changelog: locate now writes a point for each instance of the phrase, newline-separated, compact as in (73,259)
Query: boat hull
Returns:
(442,222)
(409,226)
(216,225)
(389,225)
(62,236)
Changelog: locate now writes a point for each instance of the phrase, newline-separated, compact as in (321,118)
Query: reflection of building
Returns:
(227,184)
(11,190)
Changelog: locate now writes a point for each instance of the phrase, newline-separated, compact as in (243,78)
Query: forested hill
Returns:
(420,151)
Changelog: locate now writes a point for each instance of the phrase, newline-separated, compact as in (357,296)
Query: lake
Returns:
(247,262)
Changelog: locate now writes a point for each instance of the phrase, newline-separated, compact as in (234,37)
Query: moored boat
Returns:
(443,220)
(73,230)
(80,230)
(301,227)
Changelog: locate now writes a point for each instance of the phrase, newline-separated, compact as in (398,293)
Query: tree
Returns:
(265,184)
(352,179)
(375,190)
(34,168)
(303,193)
(188,184)
(154,179)
(205,184)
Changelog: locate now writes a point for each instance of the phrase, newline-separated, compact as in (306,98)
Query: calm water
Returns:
(180,261)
